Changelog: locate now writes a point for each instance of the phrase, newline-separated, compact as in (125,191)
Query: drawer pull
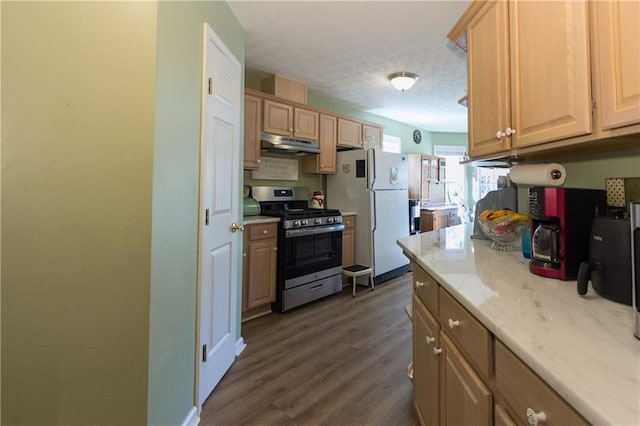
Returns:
(430,340)
(453,324)
(265,232)
(419,284)
(437,351)
(535,418)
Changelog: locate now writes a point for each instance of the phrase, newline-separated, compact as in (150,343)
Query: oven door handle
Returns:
(292,233)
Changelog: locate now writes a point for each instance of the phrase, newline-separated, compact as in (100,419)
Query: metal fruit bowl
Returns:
(503,232)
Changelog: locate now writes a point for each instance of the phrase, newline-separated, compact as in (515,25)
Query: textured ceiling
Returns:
(345,50)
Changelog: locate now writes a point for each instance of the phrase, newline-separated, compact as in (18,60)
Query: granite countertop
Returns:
(252,220)
(583,347)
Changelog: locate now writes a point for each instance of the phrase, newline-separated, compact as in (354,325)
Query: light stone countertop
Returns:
(253,220)
(442,207)
(583,347)
(348,212)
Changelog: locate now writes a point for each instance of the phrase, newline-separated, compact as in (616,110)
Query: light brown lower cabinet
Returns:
(460,369)
(348,240)
(259,265)
(446,388)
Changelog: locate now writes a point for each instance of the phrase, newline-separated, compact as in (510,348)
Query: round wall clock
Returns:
(417,136)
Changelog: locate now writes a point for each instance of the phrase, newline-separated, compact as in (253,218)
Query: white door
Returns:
(219,189)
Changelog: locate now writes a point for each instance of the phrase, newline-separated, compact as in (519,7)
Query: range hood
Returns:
(288,145)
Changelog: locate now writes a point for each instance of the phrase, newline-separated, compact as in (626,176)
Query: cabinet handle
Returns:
(258,161)
(275,249)
(437,351)
(500,135)
(430,340)
(348,222)
(419,284)
(453,324)
(509,131)
(535,418)
(265,232)
(291,129)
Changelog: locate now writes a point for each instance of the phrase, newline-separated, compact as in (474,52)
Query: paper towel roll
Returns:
(552,174)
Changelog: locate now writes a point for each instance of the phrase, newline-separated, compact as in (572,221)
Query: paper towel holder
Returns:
(555,174)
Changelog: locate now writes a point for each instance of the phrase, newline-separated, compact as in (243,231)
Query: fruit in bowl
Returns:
(503,227)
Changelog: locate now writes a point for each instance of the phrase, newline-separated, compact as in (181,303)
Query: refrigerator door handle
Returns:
(372,211)
(371,154)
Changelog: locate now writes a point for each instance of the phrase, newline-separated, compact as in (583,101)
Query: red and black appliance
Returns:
(309,260)
(561,221)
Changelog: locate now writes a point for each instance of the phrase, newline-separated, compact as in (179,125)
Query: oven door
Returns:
(310,250)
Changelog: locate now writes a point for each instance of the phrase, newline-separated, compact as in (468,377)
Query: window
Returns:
(455,191)
(391,143)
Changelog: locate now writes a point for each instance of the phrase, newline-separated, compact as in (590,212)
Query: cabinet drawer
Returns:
(524,390)
(467,332)
(426,288)
(262,230)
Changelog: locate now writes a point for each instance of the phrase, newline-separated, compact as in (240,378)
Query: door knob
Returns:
(235,227)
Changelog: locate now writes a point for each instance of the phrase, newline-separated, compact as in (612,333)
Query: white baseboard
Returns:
(192,418)
(240,345)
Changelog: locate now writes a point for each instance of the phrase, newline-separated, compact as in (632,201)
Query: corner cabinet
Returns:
(259,265)
(529,79)
(325,162)
(464,375)
(373,132)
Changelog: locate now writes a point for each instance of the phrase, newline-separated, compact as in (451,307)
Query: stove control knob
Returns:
(336,219)
(296,223)
(304,222)
(329,220)
(318,221)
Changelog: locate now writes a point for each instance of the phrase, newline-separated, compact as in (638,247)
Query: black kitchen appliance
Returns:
(634,215)
(560,228)
(414,217)
(609,264)
(309,258)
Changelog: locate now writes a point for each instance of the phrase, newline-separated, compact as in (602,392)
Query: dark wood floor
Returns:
(337,361)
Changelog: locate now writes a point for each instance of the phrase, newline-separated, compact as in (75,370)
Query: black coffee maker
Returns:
(609,265)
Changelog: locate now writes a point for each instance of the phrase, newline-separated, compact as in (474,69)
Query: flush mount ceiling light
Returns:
(403,80)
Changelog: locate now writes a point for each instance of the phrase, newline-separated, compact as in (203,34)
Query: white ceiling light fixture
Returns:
(403,80)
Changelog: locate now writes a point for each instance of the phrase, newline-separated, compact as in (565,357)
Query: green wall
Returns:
(77,142)
(175,201)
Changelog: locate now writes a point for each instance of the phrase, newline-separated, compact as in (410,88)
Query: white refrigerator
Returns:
(373,183)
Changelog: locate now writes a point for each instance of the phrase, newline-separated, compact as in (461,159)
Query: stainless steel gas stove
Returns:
(309,246)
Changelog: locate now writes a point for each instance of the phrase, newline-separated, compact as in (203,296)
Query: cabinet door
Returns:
(426,221)
(262,273)
(306,124)
(414,163)
(348,240)
(439,220)
(426,178)
(426,364)
(488,79)
(252,129)
(277,118)
(467,400)
(349,133)
(372,132)
(617,61)
(328,135)
(550,71)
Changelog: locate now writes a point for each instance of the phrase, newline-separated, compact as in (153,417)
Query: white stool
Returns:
(355,271)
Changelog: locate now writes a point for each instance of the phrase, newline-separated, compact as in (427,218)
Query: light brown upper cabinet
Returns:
(616,58)
(349,133)
(373,132)
(325,162)
(287,120)
(252,129)
(529,76)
